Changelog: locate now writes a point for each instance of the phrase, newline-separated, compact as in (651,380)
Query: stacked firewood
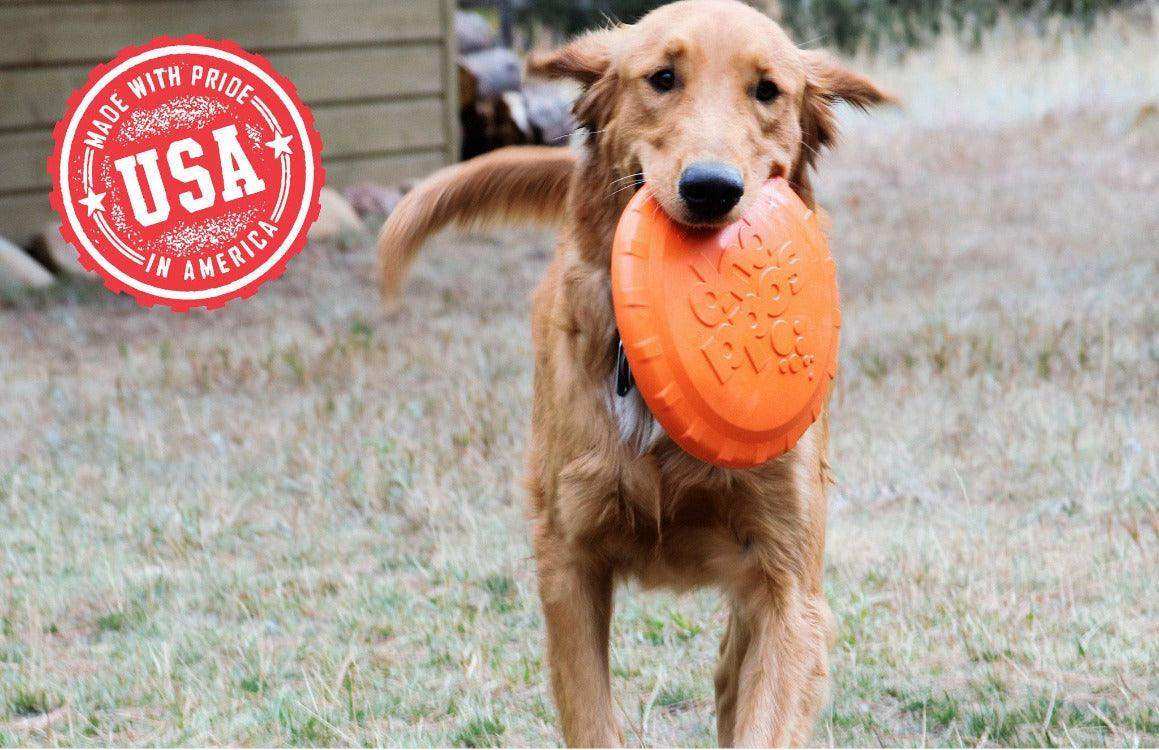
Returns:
(496,106)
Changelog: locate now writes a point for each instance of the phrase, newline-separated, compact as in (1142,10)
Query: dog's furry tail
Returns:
(517,183)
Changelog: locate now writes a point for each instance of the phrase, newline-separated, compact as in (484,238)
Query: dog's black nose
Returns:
(710,189)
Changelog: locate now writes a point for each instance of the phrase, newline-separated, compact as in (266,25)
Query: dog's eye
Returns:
(766,91)
(663,80)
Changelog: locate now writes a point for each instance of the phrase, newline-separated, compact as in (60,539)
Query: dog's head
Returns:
(705,100)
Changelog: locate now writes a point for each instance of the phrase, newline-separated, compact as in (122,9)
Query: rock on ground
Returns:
(337,219)
(17,268)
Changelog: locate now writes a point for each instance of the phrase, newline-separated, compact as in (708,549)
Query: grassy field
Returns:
(294,522)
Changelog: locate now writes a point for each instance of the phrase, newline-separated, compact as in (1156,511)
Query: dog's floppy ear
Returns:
(828,81)
(584,59)
(832,80)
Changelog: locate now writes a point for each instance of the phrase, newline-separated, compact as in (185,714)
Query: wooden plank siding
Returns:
(54,32)
(371,73)
(379,76)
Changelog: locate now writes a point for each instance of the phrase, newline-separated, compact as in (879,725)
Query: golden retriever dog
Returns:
(702,101)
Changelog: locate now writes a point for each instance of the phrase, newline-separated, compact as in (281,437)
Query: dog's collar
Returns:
(624,380)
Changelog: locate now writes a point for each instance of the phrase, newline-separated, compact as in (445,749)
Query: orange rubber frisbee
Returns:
(731,334)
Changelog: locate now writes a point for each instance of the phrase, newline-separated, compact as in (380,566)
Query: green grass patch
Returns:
(26,701)
(481,731)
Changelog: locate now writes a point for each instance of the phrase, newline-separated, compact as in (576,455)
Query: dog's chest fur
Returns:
(637,427)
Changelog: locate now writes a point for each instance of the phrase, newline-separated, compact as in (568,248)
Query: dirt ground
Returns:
(293,521)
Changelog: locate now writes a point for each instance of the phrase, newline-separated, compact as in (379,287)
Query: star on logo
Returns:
(280,145)
(93,202)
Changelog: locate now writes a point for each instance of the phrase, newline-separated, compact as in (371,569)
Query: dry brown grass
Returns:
(291,521)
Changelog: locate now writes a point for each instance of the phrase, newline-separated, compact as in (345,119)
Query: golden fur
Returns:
(604,508)
(524,182)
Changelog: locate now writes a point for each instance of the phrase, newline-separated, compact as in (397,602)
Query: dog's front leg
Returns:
(772,676)
(577,607)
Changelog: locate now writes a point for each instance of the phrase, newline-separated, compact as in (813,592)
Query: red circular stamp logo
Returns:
(186,172)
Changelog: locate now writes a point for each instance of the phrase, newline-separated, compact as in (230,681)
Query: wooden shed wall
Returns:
(375,73)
